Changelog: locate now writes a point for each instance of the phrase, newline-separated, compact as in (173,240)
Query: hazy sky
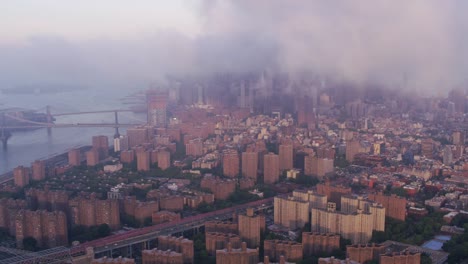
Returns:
(87,19)
(111,43)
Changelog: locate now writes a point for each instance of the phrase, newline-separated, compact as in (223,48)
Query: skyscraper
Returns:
(157,104)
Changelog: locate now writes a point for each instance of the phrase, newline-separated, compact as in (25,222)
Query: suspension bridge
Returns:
(23,123)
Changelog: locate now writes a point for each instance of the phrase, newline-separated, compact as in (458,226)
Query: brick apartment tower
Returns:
(127,156)
(137,136)
(179,245)
(164,159)
(216,241)
(21,176)
(395,207)
(74,157)
(285,157)
(92,157)
(250,165)
(271,171)
(101,144)
(48,228)
(250,227)
(292,251)
(316,243)
(231,163)
(242,255)
(143,161)
(364,252)
(93,212)
(118,260)
(401,258)
(38,170)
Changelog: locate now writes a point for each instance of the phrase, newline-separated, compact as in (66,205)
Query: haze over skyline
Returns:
(421,44)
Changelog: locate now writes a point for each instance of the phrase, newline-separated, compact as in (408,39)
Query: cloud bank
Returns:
(417,45)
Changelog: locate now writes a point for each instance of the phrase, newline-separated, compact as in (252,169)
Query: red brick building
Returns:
(315,243)
(21,176)
(230,163)
(271,171)
(48,228)
(216,241)
(292,251)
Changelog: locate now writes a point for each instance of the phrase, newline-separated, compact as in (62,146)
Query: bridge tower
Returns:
(4,133)
(49,119)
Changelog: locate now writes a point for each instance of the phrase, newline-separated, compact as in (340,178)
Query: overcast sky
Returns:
(132,43)
(87,19)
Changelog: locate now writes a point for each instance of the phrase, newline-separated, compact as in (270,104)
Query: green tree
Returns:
(103,230)
(30,244)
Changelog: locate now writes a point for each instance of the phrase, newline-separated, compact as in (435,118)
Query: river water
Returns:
(26,146)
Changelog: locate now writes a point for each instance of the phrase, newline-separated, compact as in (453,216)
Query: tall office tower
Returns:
(21,176)
(458,138)
(38,170)
(101,144)
(250,226)
(291,250)
(200,95)
(242,255)
(143,161)
(164,159)
(92,157)
(74,157)
(457,96)
(271,171)
(286,156)
(250,164)
(157,104)
(230,163)
(48,228)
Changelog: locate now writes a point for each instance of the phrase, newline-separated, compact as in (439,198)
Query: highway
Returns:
(141,235)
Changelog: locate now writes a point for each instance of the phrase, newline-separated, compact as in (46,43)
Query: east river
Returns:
(26,146)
